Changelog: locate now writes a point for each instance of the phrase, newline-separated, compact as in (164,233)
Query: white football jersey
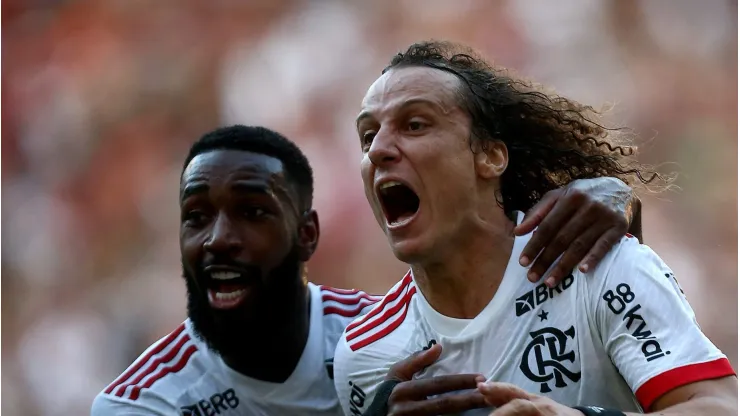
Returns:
(618,337)
(180,375)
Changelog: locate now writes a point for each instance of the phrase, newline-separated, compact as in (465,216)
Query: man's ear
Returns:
(491,160)
(308,234)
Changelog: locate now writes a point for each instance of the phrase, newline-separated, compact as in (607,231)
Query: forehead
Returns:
(401,85)
(234,165)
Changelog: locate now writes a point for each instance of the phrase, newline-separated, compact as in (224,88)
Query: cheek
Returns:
(451,174)
(365,166)
(268,244)
(367,178)
(190,248)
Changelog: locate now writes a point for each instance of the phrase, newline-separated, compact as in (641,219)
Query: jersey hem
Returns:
(664,382)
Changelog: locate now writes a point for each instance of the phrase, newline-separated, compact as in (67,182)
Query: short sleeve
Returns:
(147,404)
(648,327)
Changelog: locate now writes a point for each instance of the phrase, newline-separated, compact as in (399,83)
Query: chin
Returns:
(410,251)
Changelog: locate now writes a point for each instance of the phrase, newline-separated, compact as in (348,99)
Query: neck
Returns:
(275,354)
(462,281)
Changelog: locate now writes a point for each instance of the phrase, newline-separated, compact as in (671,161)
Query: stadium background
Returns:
(101,99)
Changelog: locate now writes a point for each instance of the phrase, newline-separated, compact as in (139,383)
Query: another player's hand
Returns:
(581,221)
(510,400)
(412,397)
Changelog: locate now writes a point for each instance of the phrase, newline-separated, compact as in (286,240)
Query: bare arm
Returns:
(716,397)
(709,397)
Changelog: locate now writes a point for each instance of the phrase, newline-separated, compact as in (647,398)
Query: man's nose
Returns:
(383,150)
(223,238)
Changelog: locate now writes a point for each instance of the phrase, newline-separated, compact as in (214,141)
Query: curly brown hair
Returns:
(551,140)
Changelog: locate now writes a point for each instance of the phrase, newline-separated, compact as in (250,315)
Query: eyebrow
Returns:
(249,187)
(408,103)
(241,187)
(193,189)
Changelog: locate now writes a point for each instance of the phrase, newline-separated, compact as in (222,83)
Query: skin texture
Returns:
(238,210)
(582,222)
(709,397)
(410,396)
(412,129)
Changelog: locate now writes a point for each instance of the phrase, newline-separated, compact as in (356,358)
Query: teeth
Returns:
(389,184)
(229,295)
(224,275)
(401,221)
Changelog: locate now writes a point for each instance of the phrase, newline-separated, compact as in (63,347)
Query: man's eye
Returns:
(367,138)
(415,125)
(194,218)
(254,212)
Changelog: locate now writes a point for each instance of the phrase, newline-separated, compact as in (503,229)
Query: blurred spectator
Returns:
(101,99)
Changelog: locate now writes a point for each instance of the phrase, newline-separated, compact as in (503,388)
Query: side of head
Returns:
(489,144)
(246,228)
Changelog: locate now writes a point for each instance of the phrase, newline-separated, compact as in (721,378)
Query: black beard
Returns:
(234,332)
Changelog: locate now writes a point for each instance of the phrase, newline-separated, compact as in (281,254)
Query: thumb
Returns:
(405,369)
(537,213)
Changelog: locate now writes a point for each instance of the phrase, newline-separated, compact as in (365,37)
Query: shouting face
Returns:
(425,185)
(242,239)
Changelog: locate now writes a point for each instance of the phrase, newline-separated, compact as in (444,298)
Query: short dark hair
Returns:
(264,141)
(551,140)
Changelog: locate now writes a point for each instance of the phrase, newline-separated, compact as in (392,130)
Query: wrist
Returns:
(598,411)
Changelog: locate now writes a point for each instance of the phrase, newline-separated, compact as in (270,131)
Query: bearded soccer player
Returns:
(443,134)
(259,339)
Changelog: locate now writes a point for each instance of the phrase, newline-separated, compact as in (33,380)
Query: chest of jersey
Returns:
(533,342)
(216,394)
(209,401)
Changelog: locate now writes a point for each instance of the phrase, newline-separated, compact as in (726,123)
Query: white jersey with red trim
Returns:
(180,375)
(619,336)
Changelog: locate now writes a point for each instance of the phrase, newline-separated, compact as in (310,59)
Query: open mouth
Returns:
(399,202)
(227,288)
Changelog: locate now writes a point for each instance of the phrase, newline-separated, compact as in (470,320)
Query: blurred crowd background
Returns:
(102,98)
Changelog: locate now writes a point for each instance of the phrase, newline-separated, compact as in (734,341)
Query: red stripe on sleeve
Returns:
(145,359)
(166,370)
(388,299)
(339,291)
(354,300)
(661,384)
(388,329)
(347,313)
(153,366)
(384,317)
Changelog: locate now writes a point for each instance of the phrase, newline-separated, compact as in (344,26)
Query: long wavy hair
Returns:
(551,140)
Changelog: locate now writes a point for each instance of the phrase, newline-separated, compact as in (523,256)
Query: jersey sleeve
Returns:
(148,404)
(357,375)
(648,327)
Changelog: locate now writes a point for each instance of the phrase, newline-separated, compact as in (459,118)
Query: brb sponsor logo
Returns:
(618,300)
(549,350)
(356,399)
(540,295)
(219,402)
